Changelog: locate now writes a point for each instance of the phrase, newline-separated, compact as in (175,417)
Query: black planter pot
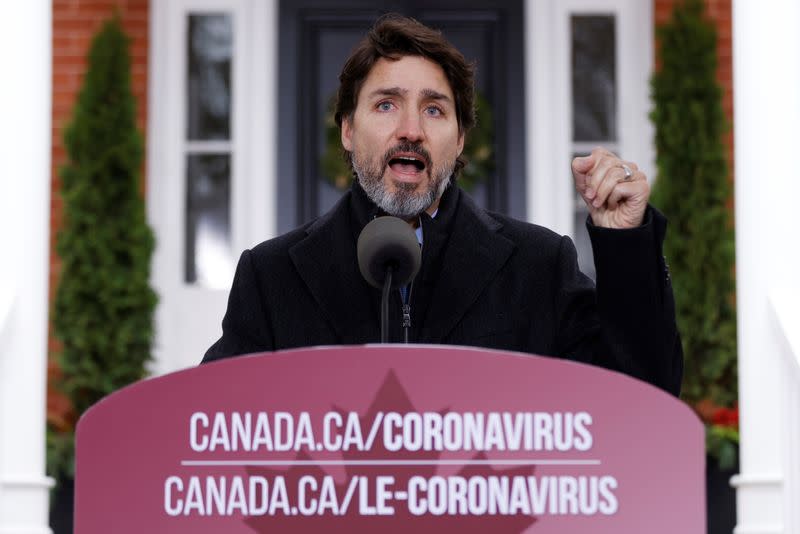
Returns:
(721,498)
(62,503)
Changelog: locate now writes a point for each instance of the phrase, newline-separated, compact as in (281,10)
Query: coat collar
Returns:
(326,261)
(474,255)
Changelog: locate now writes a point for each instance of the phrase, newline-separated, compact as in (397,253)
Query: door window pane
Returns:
(209,260)
(210,48)
(594,95)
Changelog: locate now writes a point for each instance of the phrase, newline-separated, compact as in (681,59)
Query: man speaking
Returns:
(404,106)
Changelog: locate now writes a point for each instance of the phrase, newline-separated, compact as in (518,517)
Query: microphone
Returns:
(388,257)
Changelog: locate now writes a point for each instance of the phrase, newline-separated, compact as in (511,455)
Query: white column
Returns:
(767,113)
(25,53)
(546,204)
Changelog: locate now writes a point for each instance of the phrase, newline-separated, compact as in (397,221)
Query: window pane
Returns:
(594,94)
(209,260)
(209,84)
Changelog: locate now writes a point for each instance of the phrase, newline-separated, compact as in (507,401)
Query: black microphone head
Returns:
(388,241)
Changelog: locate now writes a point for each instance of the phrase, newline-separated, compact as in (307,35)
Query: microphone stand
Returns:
(388,256)
(387,287)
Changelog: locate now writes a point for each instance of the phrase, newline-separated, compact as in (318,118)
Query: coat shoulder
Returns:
(278,247)
(522,234)
(527,236)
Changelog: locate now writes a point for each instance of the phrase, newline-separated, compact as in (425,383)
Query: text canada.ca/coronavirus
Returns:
(411,431)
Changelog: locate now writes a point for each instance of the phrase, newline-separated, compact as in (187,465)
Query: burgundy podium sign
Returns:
(390,439)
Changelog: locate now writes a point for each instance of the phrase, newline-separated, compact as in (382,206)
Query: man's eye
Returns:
(385,106)
(433,111)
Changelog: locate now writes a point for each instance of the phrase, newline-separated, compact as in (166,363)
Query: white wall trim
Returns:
(262,127)
(160,166)
(23,529)
(764,528)
(757,480)
(27,482)
(540,92)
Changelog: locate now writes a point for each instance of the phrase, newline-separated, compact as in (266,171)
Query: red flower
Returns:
(728,417)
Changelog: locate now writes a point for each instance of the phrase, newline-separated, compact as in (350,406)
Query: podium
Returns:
(390,438)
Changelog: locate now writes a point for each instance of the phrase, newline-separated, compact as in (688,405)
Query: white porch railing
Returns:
(774,497)
(786,312)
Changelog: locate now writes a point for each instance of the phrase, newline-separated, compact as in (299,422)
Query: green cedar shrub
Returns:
(103,310)
(693,190)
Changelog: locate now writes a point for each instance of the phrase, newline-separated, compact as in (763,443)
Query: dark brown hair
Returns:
(394,36)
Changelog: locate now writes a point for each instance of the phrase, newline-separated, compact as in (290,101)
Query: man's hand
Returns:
(615,191)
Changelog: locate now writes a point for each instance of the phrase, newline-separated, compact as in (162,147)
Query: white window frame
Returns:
(551,194)
(188,314)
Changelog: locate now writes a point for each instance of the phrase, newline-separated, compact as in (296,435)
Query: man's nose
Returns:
(410,127)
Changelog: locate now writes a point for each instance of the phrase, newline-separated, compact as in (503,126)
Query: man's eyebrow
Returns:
(429,94)
(388,91)
(435,95)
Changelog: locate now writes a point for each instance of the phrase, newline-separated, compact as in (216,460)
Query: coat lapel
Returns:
(472,258)
(326,261)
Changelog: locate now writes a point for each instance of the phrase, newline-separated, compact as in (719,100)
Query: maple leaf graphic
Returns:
(391,396)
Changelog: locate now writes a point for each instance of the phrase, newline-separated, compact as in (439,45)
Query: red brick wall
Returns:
(719,11)
(74,24)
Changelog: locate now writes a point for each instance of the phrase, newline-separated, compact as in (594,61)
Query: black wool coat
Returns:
(486,280)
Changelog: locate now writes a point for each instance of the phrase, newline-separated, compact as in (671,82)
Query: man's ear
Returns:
(347,134)
(460,143)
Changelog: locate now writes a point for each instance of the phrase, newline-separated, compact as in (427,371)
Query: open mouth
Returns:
(407,164)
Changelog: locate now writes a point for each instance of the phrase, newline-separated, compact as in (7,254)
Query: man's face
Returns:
(403,136)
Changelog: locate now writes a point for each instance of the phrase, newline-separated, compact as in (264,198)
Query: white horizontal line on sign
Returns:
(238,463)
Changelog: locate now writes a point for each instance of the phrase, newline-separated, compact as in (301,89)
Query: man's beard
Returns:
(405,201)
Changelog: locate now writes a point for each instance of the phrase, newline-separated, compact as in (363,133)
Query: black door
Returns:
(315,40)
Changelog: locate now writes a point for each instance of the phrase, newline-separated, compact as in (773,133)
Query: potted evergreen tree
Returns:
(103,310)
(693,189)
